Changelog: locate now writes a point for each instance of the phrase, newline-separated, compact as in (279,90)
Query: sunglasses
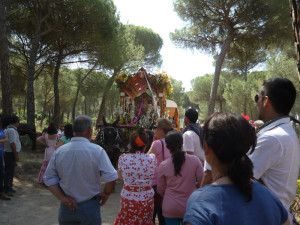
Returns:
(256,97)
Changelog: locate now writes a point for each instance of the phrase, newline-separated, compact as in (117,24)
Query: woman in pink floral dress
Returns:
(49,140)
(136,170)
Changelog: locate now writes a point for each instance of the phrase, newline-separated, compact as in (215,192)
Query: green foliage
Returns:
(213,26)
(152,44)
(208,22)
(244,56)
(177,96)
(201,92)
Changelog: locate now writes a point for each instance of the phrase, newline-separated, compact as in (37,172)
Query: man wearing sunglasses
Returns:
(276,156)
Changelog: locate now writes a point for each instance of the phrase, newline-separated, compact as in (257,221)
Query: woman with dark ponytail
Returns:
(177,179)
(233,197)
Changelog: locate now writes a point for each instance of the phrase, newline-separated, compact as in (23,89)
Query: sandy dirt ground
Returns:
(33,204)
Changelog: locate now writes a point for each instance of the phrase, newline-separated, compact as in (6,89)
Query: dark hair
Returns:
(143,136)
(68,131)
(192,115)
(51,129)
(9,119)
(5,121)
(174,142)
(13,119)
(282,94)
(230,137)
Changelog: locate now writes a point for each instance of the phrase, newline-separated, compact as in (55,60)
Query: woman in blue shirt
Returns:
(233,197)
(66,138)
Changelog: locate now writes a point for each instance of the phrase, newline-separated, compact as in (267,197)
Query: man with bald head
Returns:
(74,176)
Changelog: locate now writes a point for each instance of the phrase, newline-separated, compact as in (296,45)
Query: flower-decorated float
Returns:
(143,99)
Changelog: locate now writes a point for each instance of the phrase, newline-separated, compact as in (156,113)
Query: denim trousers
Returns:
(87,213)
(174,221)
(1,173)
(10,163)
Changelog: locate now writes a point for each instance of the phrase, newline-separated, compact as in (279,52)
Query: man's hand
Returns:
(69,202)
(66,200)
(103,198)
(16,157)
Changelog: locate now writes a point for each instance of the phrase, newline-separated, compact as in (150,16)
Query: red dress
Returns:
(137,194)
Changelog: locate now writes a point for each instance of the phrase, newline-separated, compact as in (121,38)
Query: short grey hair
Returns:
(81,124)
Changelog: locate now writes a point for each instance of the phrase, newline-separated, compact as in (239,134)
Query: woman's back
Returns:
(226,204)
(163,153)
(51,140)
(137,170)
(177,189)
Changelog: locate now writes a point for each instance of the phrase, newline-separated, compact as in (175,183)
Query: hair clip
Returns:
(139,142)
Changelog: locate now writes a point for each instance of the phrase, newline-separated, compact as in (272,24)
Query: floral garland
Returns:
(161,80)
(122,78)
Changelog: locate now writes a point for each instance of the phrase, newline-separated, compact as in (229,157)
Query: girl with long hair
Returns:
(177,178)
(233,197)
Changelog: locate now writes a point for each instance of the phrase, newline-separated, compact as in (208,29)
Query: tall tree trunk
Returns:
(5,68)
(220,60)
(78,89)
(245,79)
(43,112)
(30,78)
(84,102)
(294,4)
(25,105)
(44,109)
(56,118)
(105,93)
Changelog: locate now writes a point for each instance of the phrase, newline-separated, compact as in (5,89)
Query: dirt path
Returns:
(35,205)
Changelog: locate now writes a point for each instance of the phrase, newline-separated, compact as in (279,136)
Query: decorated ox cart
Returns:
(143,99)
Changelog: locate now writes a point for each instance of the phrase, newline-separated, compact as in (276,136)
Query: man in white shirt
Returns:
(191,135)
(276,156)
(74,176)
(11,153)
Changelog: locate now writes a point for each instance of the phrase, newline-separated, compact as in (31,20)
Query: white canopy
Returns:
(171,104)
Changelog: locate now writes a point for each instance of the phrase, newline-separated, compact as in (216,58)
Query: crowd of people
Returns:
(228,171)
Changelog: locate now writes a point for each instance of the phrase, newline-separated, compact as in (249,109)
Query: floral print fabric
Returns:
(135,212)
(137,171)
(137,195)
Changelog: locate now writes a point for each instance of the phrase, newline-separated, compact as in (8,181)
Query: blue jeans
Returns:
(174,221)
(87,213)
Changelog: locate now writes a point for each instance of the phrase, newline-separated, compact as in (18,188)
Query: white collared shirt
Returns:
(276,159)
(191,143)
(77,167)
(13,137)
